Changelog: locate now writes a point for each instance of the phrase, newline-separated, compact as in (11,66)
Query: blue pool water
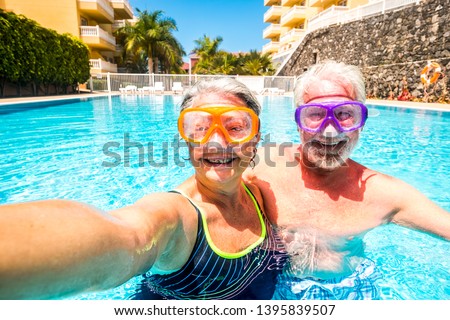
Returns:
(111,151)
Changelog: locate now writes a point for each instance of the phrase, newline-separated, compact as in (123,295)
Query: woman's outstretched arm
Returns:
(59,248)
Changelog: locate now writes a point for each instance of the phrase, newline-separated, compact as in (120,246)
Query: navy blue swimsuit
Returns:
(209,275)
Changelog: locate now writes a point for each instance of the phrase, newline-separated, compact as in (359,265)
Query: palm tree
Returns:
(224,63)
(255,63)
(152,36)
(207,49)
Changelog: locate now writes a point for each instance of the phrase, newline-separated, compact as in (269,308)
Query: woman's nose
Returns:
(217,140)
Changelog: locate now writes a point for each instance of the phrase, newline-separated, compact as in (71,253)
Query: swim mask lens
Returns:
(238,124)
(346,115)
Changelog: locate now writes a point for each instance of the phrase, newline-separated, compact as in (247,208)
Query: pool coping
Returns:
(375,102)
(21,100)
(409,104)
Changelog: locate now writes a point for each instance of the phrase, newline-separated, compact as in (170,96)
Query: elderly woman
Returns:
(208,239)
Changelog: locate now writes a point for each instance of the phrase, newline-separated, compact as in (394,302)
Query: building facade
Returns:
(93,21)
(289,21)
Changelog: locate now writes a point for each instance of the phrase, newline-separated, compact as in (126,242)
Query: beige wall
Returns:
(59,15)
(354,3)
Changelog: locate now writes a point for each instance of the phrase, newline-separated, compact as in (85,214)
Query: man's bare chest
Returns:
(315,209)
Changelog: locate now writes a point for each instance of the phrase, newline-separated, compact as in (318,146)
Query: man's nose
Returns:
(330,130)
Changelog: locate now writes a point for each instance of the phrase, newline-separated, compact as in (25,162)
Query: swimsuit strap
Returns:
(219,252)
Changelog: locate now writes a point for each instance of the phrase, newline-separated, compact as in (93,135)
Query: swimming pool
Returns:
(111,151)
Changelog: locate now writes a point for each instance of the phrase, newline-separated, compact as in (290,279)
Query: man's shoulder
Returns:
(379,182)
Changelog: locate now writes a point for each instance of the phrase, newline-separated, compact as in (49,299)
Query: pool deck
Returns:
(394,103)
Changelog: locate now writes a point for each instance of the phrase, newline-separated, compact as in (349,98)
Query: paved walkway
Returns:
(394,103)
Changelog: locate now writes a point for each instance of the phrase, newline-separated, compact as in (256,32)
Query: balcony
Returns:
(321,3)
(118,24)
(290,3)
(297,15)
(294,35)
(97,38)
(273,14)
(122,9)
(102,66)
(119,50)
(271,47)
(99,10)
(271,2)
(273,31)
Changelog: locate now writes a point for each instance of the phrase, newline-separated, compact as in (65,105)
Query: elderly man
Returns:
(324,202)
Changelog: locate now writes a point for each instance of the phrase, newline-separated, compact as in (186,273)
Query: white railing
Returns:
(272,28)
(118,24)
(292,35)
(272,45)
(96,31)
(102,3)
(331,11)
(125,2)
(99,65)
(112,82)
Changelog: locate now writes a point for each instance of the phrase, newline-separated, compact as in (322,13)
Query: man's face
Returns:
(329,148)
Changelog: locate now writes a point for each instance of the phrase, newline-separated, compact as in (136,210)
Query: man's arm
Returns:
(57,247)
(417,211)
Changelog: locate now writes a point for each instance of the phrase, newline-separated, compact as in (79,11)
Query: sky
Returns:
(239,22)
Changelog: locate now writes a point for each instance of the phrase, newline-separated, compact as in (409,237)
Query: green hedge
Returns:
(40,57)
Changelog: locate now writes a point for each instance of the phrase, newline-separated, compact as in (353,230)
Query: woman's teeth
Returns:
(219,161)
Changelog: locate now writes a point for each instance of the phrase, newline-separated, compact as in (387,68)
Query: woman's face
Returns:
(217,159)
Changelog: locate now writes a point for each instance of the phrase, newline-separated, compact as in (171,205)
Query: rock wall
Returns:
(391,49)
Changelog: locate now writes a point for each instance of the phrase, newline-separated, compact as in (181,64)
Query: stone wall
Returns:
(389,48)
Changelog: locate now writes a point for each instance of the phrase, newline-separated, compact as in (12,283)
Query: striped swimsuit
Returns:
(212,274)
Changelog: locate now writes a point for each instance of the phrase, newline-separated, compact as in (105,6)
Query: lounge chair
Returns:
(275,90)
(159,87)
(128,89)
(145,89)
(177,87)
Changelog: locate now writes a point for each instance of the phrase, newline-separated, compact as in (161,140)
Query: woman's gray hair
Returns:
(341,73)
(224,85)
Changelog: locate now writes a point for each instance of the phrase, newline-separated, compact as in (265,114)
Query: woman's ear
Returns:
(258,137)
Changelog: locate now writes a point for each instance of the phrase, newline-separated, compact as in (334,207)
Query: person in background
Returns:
(323,202)
(208,239)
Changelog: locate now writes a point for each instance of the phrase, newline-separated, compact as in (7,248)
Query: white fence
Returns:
(113,82)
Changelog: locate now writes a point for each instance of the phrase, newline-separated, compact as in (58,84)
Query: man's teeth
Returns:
(330,143)
(221,161)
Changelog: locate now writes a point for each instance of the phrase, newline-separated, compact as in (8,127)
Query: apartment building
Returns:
(92,21)
(288,22)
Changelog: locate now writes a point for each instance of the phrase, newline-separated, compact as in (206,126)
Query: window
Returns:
(84,22)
